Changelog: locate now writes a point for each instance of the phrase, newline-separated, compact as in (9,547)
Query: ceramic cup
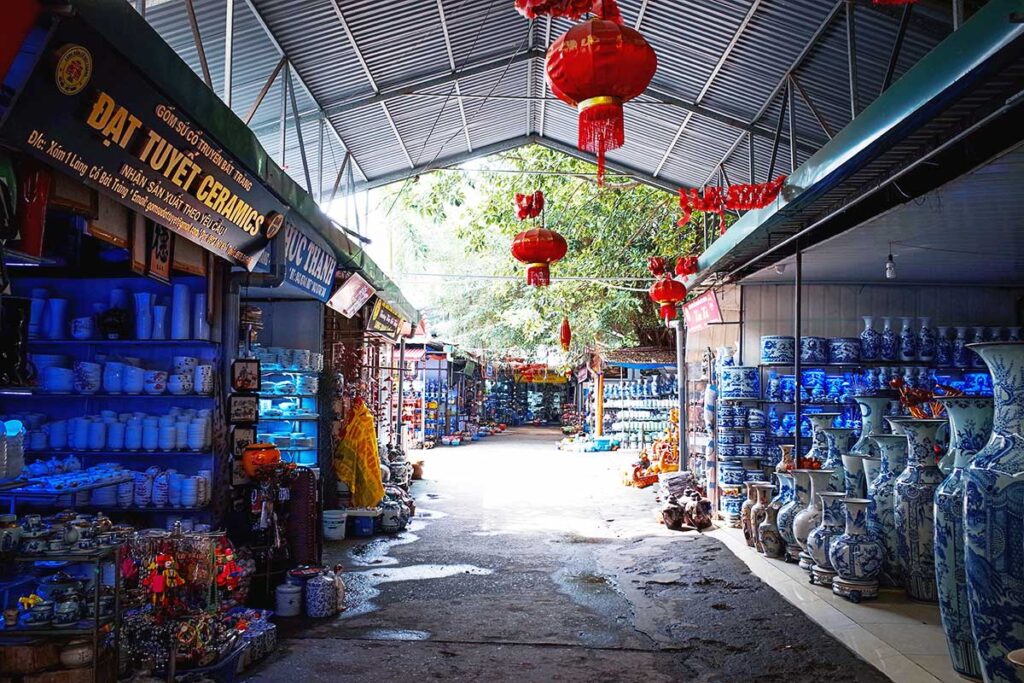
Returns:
(185,364)
(133,437)
(97,435)
(180,384)
(88,377)
(116,432)
(83,328)
(203,379)
(57,380)
(155,382)
(57,433)
(134,379)
(113,377)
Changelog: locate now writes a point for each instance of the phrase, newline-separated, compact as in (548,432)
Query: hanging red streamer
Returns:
(657,265)
(570,9)
(740,197)
(686,265)
(710,200)
(529,205)
(744,197)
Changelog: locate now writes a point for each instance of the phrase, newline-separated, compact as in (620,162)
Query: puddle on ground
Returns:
(600,595)
(362,586)
(395,634)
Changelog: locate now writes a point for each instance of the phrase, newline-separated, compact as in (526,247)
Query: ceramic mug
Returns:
(57,380)
(113,377)
(58,434)
(155,382)
(97,435)
(116,433)
(83,328)
(203,379)
(134,379)
(180,384)
(185,365)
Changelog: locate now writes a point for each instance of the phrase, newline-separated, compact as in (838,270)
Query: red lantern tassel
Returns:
(668,312)
(538,275)
(601,128)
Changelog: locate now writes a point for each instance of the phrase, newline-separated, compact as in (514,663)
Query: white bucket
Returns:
(334,524)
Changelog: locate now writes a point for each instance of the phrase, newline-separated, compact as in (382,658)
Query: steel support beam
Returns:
(451,62)
(265,89)
(320,159)
(958,14)
(750,159)
(639,15)
(229,49)
(341,172)
(284,117)
(198,39)
(298,134)
(612,166)
(810,105)
(791,100)
(851,55)
(798,277)
(897,46)
(778,135)
(544,91)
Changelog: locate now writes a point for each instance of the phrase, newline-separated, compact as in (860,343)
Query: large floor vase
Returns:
(914,508)
(810,516)
(818,541)
(881,509)
(994,519)
(872,410)
(801,483)
(970,420)
(856,555)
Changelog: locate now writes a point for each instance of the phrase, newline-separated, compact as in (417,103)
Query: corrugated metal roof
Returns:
(362,59)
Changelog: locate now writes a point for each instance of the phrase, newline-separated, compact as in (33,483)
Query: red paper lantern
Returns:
(667,292)
(595,67)
(538,248)
(565,334)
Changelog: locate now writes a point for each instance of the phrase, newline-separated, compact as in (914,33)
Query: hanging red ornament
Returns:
(538,248)
(657,265)
(565,334)
(596,66)
(667,293)
(529,205)
(740,197)
(708,200)
(571,9)
(686,265)
(744,197)
(894,2)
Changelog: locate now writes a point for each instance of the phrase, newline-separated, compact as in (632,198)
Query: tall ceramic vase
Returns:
(856,555)
(759,512)
(838,440)
(994,519)
(872,410)
(768,536)
(881,514)
(914,506)
(800,483)
(810,516)
(821,536)
(819,442)
(970,425)
(748,505)
(854,483)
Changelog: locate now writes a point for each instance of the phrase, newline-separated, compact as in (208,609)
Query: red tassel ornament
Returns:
(686,265)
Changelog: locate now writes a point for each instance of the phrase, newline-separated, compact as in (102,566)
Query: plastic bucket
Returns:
(334,524)
(361,521)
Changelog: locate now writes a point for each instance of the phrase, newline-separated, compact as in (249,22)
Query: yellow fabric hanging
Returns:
(356,460)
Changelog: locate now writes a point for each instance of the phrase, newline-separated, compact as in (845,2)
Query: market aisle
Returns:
(529,564)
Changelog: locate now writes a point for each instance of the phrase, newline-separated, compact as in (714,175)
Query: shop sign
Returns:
(470,368)
(351,296)
(86,111)
(310,267)
(384,319)
(489,371)
(702,311)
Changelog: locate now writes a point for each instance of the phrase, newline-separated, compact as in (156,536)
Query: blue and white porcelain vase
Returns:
(844,350)
(977,337)
(870,340)
(855,485)
(872,410)
(768,537)
(813,350)
(321,597)
(810,516)
(818,541)
(778,350)
(1013,333)
(914,507)
(892,450)
(819,442)
(961,356)
(908,342)
(943,348)
(801,496)
(856,555)
(994,520)
(926,342)
(740,382)
(890,343)
(837,441)
(970,425)
(872,468)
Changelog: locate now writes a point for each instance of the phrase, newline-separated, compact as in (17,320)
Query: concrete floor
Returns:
(529,564)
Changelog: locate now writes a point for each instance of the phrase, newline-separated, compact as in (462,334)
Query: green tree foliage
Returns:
(463,224)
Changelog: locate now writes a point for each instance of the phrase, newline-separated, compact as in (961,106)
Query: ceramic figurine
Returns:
(872,410)
(925,342)
(994,519)
(889,347)
(856,555)
(870,340)
(801,497)
(908,342)
(943,348)
(820,538)
(914,506)
(970,425)
(881,514)
(810,516)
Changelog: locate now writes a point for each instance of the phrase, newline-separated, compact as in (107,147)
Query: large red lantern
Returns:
(565,334)
(538,248)
(667,293)
(596,66)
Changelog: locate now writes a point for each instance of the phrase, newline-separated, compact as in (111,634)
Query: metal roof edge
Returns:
(926,87)
(130,34)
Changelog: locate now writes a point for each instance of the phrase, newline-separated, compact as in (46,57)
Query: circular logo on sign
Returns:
(275,221)
(74,69)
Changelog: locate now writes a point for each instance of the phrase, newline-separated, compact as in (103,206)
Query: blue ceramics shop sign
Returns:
(310,267)
(87,111)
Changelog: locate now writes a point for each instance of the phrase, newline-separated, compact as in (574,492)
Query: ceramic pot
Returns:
(872,410)
(994,519)
(926,342)
(890,345)
(288,600)
(854,484)
(856,554)
(819,443)
(321,600)
(740,382)
(813,350)
(777,350)
(759,512)
(768,536)
(837,442)
(748,505)
(908,342)
(259,455)
(844,350)
(818,541)
(970,421)
(810,516)
(914,508)
(788,512)
(870,340)
(730,473)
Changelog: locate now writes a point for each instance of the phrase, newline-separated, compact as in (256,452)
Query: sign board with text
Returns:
(308,266)
(88,112)
(351,296)
(384,319)
(702,311)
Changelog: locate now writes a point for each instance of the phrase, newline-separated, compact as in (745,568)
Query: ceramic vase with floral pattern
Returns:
(970,425)
(819,442)
(914,508)
(818,541)
(800,483)
(838,440)
(810,516)
(872,410)
(748,505)
(870,340)
(994,519)
(768,536)
(856,555)
(881,514)
(759,512)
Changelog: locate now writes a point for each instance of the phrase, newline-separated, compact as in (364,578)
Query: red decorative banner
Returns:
(702,311)
(572,9)
(740,197)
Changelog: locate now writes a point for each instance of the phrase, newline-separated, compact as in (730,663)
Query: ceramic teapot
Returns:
(259,455)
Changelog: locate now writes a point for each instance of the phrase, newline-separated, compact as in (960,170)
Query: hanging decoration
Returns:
(718,200)
(596,66)
(565,334)
(686,265)
(570,9)
(895,2)
(667,293)
(657,265)
(529,205)
(538,248)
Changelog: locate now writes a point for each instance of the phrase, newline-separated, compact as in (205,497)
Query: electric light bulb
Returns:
(890,268)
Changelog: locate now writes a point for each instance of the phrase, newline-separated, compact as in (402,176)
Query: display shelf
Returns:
(25,492)
(288,418)
(15,391)
(272,396)
(14,258)
(92,556)
(77,630)
(121,453)
(122,342)
(35,392)
(280,371)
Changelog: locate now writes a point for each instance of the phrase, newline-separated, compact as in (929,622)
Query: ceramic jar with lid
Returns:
(288,600)
(321,597)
